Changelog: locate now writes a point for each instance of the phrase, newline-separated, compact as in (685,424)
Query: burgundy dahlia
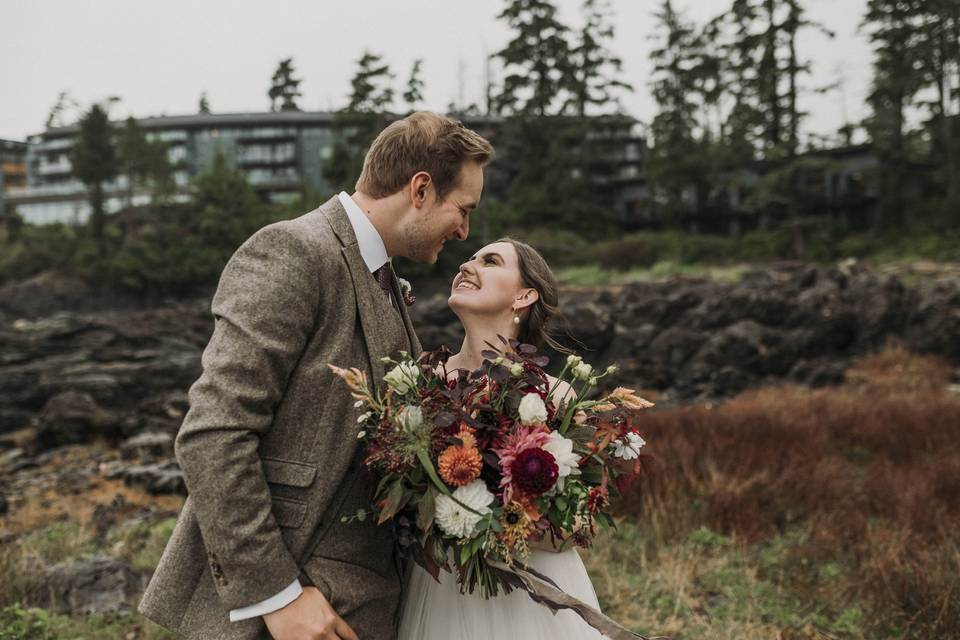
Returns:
(534,471)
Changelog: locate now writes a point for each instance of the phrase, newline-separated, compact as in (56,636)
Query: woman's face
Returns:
(489,283)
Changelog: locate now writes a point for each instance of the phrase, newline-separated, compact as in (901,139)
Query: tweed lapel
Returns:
(377,316)
(415,347)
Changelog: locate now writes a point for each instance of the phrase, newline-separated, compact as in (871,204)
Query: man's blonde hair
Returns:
(423,141)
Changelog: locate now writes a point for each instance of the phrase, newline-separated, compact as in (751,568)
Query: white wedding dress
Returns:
(438,611)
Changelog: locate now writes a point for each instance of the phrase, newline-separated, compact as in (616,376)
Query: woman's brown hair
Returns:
(537,324)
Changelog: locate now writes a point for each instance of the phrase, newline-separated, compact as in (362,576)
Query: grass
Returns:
(592,275)
(801,511)
(19,623)
(784,513)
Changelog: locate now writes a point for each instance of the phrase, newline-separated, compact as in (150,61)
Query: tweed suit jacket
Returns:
(269,447)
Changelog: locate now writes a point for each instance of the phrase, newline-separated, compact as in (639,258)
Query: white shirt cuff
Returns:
(271,604)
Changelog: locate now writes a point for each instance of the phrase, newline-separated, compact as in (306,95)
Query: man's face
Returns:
(437,222)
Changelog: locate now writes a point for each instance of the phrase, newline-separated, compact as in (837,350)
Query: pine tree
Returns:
(898,61)
(371,91)
(940,42)
(94,160)
(414,93)
(358,123)
(677,160)
(144,162)
(284,88)
(535,61)
(204,106)
(592,80)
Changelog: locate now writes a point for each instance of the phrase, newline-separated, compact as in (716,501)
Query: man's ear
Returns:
(421,187)
(525,298)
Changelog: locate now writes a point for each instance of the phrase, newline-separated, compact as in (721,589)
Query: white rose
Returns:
(517,369)
(402,377)
(455,520)
(532,409)
(573,360)
(410,418)
(567,461)
(582,371)
(628,447)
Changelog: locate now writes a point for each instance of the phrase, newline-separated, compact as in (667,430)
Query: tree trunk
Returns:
(794,116)
(97,217)
(770,71)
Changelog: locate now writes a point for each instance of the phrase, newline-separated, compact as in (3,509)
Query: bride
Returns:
(505,289)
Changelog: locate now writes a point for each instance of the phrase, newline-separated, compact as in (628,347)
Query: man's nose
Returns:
(464,229)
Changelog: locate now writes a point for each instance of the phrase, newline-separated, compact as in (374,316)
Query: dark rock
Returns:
(73,481)
(71,417)
(818,373)
(95,585)
(148,446)
(156,479)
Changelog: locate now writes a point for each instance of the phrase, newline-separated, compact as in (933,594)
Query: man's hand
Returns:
(309,617)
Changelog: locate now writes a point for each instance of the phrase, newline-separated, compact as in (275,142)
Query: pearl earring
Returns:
(516,319)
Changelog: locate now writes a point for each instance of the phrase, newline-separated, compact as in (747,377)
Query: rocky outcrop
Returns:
(700,339)
(117,374)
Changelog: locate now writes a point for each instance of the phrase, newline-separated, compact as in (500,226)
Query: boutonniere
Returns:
(406,291)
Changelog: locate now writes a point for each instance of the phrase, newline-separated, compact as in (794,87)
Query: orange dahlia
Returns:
(459,466)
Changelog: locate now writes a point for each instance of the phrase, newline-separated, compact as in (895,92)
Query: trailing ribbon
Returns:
(542,589)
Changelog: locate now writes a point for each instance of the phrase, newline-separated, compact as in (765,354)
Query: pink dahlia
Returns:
(523,438)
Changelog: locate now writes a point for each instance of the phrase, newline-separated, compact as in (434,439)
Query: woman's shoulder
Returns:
(562,391)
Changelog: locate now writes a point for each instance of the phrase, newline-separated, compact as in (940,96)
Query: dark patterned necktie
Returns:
(384,278)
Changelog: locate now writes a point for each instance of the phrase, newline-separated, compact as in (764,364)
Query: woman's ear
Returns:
(525,298)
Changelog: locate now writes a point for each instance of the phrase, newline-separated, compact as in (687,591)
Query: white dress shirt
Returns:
(374,255)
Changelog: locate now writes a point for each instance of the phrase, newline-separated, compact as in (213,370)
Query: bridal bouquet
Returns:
(476,468)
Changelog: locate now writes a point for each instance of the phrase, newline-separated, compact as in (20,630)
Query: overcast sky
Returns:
(159,56)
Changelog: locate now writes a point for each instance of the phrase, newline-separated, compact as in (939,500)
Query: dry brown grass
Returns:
(871,470)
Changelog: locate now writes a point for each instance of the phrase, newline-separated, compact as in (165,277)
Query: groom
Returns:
(269,447)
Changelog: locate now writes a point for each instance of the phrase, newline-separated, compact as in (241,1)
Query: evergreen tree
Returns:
(371,91)
(536,61)
(284,88)
(94,160)
(898,62)
(358,123)
(677,160)
(592,78)
(414,93)
(144,162)
(204,107)
(58,113)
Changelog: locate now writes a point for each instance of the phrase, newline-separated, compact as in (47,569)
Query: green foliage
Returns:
(143,544)
(414,93)
(20,623)
(94,161)
(284,88)
(370,87)
(536,61)
(592,78)
(144,162)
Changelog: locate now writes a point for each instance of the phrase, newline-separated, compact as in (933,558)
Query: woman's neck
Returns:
(476,340)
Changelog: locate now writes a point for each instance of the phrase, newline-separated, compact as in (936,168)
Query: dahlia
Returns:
(459,466)
(523,438)
(534,471)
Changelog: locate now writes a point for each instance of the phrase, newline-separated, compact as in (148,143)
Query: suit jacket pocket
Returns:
(288,472)
(288,512)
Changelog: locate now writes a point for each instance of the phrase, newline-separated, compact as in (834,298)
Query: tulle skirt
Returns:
(438,611)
